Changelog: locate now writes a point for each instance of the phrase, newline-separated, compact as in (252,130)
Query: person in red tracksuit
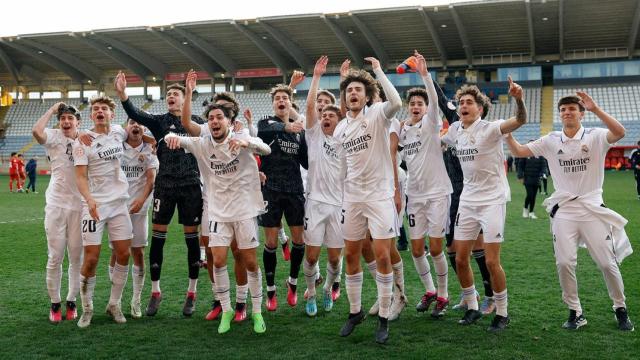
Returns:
(14,170)
(22,174)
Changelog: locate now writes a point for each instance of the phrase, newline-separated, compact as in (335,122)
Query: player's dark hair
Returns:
(225,110)
(232,103)
(421,92)
(68,109)
(570,99)
(178,87)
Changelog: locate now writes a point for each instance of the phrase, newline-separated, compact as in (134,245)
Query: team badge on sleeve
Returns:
(79,151)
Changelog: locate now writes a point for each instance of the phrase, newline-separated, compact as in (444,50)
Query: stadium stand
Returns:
(621,101)
(533,98)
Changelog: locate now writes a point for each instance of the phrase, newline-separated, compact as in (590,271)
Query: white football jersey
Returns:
(479,149)
(107,182)
(231,178)
(395,128)
(576,164)
(423,155)
(363,143)
(134,163)
(62,190)
(324,180)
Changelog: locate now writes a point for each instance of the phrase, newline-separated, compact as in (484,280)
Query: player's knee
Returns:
(609,267)
(123,253)
(493,264)
(383,259)
(462,261)
(250,264)
(237,255)
(565,265)
(417,251)
(91,260)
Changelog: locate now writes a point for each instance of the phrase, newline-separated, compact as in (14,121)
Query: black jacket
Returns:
(531,170)
(288,153)
(177,168)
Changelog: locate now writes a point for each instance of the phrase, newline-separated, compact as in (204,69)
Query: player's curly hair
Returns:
(362,76)
(232,103)
(281,88)
(103,99)
(479,97)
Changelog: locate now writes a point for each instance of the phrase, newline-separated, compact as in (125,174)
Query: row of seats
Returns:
(532,99)
(21,116)
(621,101)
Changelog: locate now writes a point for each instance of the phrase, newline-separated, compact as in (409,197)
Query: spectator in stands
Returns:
(635,164)
(31,172)
(530,171)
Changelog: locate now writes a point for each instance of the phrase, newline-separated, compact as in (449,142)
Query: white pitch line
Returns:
(20,221)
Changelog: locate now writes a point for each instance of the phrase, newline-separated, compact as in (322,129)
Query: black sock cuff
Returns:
(159,234)
(477,253)
(191,235)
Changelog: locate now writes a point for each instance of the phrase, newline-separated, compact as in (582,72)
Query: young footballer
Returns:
(578,215)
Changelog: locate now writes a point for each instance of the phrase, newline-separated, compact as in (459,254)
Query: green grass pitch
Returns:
(535,303)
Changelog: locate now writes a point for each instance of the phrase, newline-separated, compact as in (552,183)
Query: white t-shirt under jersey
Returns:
(107,182)
(576,164)
(426,173)
(324,181)
(363,145)
(231,178)
(62,190)
(479,149)
(134,163)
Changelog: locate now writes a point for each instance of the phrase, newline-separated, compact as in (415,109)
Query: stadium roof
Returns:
(476,33)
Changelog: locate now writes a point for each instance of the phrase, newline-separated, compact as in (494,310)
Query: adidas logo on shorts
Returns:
(498,236)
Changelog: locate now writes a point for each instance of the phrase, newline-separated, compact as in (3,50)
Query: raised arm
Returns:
(516,149)
(318,71)
(140,116)
(393,103)
(616,130)
(513,123)
(192,127)
(445,105)
(432,110)
(394,140)
(40,125)
(344,71)
(296,78)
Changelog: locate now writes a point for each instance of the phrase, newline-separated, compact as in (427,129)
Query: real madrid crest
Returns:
(584,148)
(141,158)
